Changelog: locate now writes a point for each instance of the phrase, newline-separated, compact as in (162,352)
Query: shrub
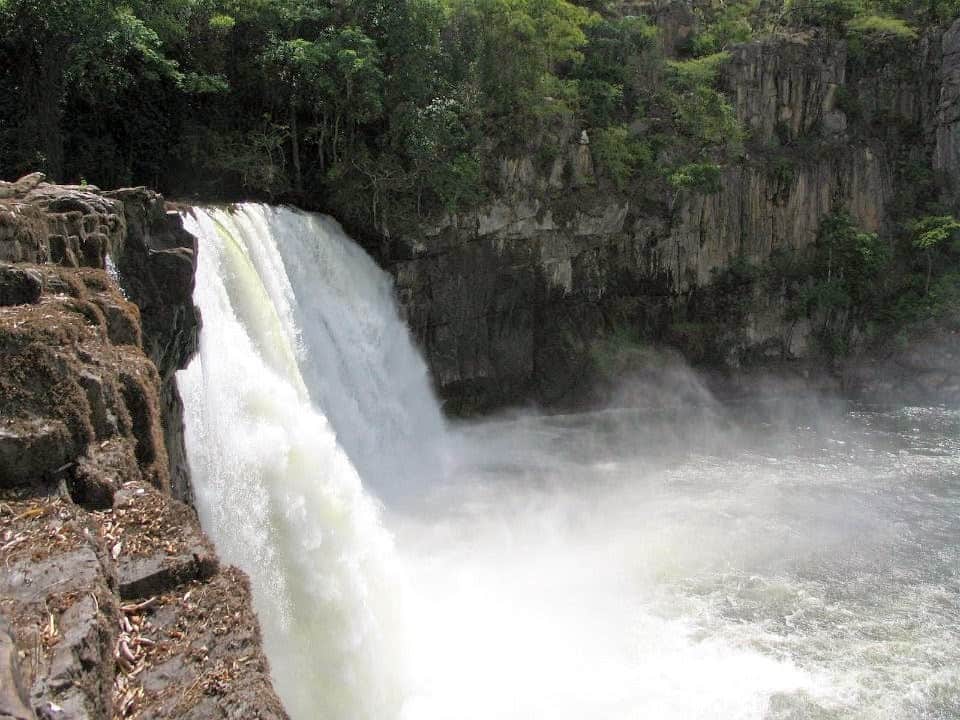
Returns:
(696,176)
(880,28)
(620,153)
(699,71)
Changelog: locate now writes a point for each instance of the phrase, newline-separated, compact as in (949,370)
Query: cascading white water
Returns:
(603,566)
(357,357)
(277,485)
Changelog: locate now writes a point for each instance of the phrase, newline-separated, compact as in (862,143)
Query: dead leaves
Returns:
(38,528)
(132,652)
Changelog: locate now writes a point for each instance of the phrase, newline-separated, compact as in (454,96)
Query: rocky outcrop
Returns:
(511,299)
(112,601)
(153,258)
(156,269)
(77,388)
(786,87)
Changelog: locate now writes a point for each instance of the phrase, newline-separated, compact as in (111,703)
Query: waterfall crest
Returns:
(301,349)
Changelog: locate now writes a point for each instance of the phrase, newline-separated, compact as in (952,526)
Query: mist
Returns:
(665,558)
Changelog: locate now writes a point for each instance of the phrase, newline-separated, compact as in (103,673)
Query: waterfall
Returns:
(603,565)
(306,382)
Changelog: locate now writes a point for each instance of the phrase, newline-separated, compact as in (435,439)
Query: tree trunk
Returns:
(41,139)
(321,145)
(295,146)
(336,136)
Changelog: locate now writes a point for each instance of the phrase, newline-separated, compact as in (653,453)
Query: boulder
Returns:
(19,286)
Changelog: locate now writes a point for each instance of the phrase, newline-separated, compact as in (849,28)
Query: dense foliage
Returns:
(383,111)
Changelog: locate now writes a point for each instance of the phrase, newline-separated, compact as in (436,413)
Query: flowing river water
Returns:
(774,560)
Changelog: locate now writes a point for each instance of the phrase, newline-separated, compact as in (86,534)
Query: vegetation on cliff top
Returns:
(378,111)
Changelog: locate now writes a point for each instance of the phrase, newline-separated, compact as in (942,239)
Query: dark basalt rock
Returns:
(30,450)
(76,226)
(207,664)
(511,300)
(63,611)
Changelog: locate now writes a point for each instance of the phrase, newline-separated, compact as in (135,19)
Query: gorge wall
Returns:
(513,299)
(112,601)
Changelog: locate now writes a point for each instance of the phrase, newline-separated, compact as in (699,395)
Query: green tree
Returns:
(846,289)
(509,51)
(929,234)
(612,63)
(54,47)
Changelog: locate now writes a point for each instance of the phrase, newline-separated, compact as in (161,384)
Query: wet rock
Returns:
(174,437)
(157,270)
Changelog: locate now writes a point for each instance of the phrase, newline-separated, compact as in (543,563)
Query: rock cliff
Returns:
(112,602)
(513,299)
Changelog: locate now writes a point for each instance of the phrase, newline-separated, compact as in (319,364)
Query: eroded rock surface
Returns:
(144,246)
(113,603)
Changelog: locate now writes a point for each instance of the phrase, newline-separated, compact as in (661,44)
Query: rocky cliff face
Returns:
(946,156)
(113,603)
(512,299)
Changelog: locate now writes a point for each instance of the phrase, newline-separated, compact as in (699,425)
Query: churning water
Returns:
(771,562)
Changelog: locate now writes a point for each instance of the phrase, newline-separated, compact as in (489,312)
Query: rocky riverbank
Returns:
(113,603)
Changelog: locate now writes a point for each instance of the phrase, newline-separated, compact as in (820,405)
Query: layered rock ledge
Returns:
(112,601)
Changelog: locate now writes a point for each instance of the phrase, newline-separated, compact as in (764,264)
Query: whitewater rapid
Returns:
(618,565)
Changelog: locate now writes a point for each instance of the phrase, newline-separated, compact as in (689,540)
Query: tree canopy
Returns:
(380,110)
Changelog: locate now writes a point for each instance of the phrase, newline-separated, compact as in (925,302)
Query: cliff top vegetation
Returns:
(383,112)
